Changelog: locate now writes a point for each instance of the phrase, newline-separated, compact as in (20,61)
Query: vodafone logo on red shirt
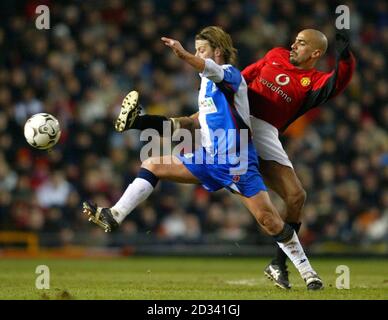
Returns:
(282,79)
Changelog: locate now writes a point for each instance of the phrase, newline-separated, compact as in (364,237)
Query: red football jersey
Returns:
(279,92)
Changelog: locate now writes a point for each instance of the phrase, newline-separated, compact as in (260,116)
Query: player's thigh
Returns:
(169,168)
(280,178)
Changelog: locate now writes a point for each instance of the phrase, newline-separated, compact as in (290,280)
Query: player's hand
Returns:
(342,43)
(175,45)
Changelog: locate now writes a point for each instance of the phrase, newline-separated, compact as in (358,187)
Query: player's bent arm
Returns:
(196,62)
(330,84)
(346,67)
(326,86)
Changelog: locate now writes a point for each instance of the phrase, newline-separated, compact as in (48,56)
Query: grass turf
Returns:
(149,278)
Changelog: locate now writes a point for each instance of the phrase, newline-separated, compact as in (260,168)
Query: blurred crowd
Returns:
(96,51)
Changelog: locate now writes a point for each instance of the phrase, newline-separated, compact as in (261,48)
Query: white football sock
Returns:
(293,249)
(139,190)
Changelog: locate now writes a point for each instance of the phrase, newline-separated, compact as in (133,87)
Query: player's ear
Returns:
(217,52)
(317,54)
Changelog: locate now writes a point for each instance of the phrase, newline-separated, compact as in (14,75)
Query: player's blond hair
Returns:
(218,38)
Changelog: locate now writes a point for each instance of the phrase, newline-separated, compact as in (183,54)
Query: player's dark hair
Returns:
(218,38)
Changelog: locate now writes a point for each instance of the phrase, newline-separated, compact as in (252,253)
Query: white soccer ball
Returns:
(42,131)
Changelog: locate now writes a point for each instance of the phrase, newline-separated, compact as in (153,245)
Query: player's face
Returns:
(203,49)
(301,49)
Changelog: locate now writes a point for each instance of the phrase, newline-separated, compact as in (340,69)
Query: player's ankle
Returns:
(117,215)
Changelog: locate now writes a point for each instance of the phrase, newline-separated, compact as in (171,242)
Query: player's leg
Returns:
(267,216)
(130,118)
(279,176)
(166,168)
(283,180)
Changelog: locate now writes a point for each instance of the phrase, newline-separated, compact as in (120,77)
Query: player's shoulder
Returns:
(230,67)
(278,52)
(315,74)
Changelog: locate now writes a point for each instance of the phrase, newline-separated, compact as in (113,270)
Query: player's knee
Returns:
(150,165)
(271,222)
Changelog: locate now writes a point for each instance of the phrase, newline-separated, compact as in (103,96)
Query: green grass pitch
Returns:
(153,278)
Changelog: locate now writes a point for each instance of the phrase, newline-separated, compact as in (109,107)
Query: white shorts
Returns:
(267,143)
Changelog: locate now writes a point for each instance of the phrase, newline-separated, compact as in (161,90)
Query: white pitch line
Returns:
(244,282)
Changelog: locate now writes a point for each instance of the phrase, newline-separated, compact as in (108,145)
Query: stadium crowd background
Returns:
(97,51)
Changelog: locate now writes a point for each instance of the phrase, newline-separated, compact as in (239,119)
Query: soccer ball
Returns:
(42,131)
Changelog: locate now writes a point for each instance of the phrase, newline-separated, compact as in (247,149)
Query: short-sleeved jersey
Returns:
(225,160)
(223,107)
(279,92)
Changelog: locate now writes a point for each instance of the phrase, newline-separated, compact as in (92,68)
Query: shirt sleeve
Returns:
(225,76)
(251,72)
(213,71)
(337,79)
(326,86)
(330,84)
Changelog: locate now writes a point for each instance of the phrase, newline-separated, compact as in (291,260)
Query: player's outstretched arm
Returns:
(196,62)
(342,44)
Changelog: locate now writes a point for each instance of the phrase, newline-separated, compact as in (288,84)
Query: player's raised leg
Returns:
(130,118)
(129,111)
(268,217)
(166,168)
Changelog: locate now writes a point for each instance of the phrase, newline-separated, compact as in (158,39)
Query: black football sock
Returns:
(150,122)
(281,257)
